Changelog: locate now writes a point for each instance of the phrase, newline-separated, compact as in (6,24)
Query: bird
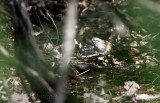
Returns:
(101,46)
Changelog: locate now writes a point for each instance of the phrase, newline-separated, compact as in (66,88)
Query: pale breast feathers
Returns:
(103,47)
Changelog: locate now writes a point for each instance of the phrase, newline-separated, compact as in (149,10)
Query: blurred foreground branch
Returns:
(68,48)
(150,5)
(36,70)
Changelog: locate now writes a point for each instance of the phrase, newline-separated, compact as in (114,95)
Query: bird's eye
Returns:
(95,40)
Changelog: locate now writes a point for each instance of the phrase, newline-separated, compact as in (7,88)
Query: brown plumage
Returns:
(102,47)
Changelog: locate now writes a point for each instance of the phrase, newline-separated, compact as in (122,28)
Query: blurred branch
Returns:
(35,69)
(150,5)
(2,10)
(68,48)
(69,35)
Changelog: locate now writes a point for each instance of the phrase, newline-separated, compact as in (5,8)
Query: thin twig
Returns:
(155,78)
(83,72)
(42,26)
(53,23)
